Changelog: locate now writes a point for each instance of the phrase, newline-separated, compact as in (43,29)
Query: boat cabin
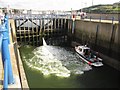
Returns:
(83,50)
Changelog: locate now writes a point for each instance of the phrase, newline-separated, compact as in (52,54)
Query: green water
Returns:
(37,80)
(77,74)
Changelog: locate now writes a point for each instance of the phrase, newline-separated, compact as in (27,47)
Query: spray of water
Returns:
(44,43)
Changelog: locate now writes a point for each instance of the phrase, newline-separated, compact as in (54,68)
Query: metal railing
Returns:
(4,48)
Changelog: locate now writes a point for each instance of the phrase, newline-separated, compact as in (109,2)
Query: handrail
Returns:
(4,42)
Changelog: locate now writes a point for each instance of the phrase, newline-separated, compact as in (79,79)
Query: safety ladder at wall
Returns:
(4,49)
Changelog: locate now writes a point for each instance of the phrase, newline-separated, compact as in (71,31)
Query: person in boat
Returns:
(97,55)
(87,53)
(92,55)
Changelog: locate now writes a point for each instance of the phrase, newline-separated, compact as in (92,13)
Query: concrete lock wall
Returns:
(102,35)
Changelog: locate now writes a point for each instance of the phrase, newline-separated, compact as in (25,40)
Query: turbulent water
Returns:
(45,65)
(55,60)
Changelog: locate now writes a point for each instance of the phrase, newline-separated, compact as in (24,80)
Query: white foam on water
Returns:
(56,60)
(46,63)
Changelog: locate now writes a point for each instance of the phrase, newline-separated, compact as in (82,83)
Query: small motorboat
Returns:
(89,56)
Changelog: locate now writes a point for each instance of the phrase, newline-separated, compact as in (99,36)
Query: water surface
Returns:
(60,67)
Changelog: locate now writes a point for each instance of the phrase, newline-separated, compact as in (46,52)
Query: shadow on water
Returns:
(103,77)
(59,60)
